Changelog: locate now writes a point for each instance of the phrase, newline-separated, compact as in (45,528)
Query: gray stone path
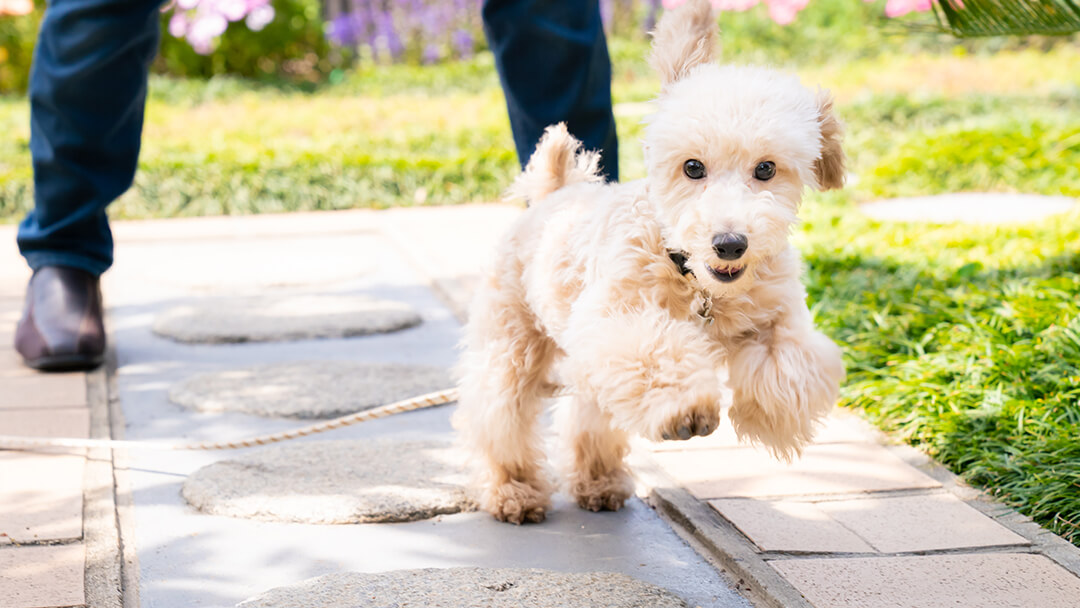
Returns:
(189,558)
(470,587)
(307,389)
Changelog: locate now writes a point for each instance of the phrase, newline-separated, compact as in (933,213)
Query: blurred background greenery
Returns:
(964,341)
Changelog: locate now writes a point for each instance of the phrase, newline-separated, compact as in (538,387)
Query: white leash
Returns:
(8,442)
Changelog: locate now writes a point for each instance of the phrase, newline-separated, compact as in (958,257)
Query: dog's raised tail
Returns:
(558,161)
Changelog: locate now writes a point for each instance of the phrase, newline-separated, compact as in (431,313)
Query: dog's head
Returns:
(729,151)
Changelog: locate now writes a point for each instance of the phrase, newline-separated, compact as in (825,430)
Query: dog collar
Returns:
(681,259)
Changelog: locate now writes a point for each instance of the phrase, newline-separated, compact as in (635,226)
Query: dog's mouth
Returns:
(728,274)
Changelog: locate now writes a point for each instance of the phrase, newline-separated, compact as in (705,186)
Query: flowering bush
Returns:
(212,37)
(428,30)
(783,11)
(201,22)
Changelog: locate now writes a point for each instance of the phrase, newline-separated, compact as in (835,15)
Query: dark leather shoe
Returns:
(61,328)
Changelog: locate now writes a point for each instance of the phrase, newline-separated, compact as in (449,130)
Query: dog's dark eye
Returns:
(694,169)
(765,170)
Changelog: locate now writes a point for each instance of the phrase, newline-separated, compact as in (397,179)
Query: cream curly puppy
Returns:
(588,288)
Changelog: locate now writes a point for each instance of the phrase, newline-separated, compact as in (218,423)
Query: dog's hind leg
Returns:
(597,477)
(503,384)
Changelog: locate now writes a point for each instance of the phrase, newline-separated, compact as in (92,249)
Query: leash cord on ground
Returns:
(8,442)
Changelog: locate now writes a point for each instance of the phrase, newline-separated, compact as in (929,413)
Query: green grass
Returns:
(964,341)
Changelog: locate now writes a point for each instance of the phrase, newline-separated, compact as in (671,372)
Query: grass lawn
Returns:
(963,341)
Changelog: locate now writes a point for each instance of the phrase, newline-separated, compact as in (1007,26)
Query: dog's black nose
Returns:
(730,245)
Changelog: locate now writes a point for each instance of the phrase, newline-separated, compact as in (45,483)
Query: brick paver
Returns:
(40,496)
(942,521)
(987,580)
(44,422)
(25,391)
(893,524)
(42,577)
(823,469)
(780,525)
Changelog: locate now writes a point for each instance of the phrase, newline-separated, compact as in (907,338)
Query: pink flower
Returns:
(178,25)
(16,7)
(233,10)
(896,8)
(781,11)
(259,17)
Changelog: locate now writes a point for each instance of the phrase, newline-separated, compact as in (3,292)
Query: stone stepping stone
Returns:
(335,482)
(314,389)
(969,208)
(282,318)
(470,588)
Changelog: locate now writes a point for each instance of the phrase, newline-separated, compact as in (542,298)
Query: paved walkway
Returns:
(854,523)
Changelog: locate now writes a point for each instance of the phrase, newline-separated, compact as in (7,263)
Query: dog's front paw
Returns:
(608,492)
(517,502)
(700,419)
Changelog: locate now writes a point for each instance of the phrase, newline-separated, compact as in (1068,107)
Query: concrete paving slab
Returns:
(188,558)
(986,580)
(41,577)
(335,482)
(470,587)
(283,318)
(823,469)
(313,389)
(792,526)
(250,265)
(923,522)
(450,245)
(43,391)
(970,208)
(41,497)
(62,422)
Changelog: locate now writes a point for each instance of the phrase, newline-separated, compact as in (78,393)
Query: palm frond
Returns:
(973,18)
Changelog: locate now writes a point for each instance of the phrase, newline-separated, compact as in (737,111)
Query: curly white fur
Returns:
(582,287)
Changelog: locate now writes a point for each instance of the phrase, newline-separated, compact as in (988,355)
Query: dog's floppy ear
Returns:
(684,38)
(829,167)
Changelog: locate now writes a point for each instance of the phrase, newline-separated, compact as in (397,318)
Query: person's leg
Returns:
(553,63)
(87,93)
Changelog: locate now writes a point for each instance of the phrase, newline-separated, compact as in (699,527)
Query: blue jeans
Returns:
(553,63)
(88,92)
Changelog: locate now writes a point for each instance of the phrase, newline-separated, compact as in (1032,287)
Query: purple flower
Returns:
(432,54)
(463,43)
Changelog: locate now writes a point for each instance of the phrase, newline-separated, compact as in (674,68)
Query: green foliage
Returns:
(965,342)
(292,47)
(17,36)
(1009,17)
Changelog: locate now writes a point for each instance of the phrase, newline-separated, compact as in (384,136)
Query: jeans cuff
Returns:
(40,259)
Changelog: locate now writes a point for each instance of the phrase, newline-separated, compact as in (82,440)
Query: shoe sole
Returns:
(66,363)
